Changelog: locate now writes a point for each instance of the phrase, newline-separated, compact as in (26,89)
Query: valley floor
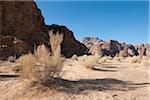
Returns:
(110,79)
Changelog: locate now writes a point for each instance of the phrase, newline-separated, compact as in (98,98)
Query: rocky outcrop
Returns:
(22,28)
(96,49)
(143,49)
(69,45)
(128,50)
(146,49)
(90,41)
(112,48)
(100,47)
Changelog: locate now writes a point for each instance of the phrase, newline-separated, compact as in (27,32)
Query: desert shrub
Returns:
(104,59)
(43,65)
(134,59)
(91,61)
(42,54)
(28,66)
(119,58)
(55,41)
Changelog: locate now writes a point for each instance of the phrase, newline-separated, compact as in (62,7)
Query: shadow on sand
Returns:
(85,85)
(104,70)
(7,76)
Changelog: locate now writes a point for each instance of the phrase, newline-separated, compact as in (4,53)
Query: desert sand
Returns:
(111,79)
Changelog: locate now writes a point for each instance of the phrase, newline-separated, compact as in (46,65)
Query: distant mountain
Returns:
(97,46)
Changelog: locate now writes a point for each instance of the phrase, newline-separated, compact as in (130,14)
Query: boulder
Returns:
(96,49)
(111,48)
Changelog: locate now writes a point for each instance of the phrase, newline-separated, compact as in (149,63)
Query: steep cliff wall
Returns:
(22,28)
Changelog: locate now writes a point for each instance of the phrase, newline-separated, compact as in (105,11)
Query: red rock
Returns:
(22,28)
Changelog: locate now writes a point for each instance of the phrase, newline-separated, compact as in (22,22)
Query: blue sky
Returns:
(125,21)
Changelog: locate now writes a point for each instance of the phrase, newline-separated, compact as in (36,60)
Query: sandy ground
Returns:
(110,80)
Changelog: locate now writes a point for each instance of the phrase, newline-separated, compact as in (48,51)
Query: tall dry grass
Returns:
(28,68)
(43,65)
(90,61)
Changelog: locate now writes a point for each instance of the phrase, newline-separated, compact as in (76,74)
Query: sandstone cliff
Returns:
(22,28)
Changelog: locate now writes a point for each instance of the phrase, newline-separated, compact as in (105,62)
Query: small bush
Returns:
(43,65)
(91,61)
(135,59)
(105,59)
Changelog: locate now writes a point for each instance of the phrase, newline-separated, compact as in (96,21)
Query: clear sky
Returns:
(125,21)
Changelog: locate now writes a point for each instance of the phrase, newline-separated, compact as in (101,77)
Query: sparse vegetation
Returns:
(43,65)
(120,59)
(91,61)
(135,59)
(104,59)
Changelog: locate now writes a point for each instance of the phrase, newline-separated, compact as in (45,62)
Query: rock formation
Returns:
(143,49)
(22,28)
(69,45)
(112,47)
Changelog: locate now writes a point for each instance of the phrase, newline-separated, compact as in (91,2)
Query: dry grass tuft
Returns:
(43,65)
(135,59)
(55,41)
(42,54)
(91,61)
(28,67)
(120,59)
(105,59)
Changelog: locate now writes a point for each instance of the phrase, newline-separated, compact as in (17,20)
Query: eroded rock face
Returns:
(90,41)
(100,47)
(22,28)
(112,47)
(70,45)
(147,49)
(96,49)
(94,45)
(143,49)
(128,50)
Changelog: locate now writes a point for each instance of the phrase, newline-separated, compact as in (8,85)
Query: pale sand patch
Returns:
(112,80)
